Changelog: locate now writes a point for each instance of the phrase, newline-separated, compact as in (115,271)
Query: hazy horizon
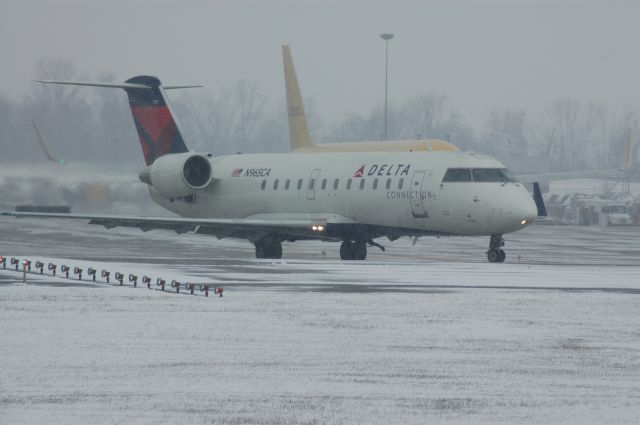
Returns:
(483,55)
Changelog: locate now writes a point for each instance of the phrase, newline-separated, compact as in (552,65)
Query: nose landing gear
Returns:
(496,254)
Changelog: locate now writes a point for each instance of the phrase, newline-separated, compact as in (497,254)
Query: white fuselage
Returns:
(403,190)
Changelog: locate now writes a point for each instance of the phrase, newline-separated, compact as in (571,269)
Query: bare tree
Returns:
(11,143)
(425,115)
(356,127)
(63,112)
(572,133)
(429,116)
(115,133)
(506,130)
(226,123)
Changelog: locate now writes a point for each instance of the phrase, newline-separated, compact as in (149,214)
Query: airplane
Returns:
(352,193)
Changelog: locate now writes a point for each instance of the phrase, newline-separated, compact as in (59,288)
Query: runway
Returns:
(429,333)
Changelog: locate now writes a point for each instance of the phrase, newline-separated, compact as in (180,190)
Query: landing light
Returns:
(523,222)
(318,228)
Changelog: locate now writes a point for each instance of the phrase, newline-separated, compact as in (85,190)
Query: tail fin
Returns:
(299,136)
(537,197)
(158,131)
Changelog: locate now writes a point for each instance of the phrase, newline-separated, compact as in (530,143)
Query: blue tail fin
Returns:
(537,197)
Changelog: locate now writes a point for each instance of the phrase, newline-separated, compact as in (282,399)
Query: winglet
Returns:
(299,136)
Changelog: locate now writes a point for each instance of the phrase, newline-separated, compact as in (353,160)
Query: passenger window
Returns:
(388,185)
(361,184)
(312,184)
(349,184)
(324,184)
(457,175)
(335,184)
(400,183)
(286,184)
(263,185)
(375,184)
(275,184)
(299,184)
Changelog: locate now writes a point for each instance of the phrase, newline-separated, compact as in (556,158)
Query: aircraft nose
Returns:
(525,210)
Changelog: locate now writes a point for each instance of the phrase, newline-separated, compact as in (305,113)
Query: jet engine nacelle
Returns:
(179,174)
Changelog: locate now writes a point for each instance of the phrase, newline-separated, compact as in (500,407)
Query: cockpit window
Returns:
(497,175)
(457,175)
(508,176)
(501,175)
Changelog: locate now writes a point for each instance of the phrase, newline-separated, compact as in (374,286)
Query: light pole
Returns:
(386,38)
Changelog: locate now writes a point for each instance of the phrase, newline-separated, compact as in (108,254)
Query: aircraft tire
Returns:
(494,256)
(269,249)
(346,251)
(276,250)
(360,250)
(353,250)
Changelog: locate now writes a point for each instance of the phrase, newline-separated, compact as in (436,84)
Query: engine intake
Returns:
(178,175)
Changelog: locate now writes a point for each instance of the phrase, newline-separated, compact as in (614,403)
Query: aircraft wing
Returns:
(568,175)
(308,226)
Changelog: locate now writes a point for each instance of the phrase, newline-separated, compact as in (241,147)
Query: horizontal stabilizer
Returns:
(158,131)
(113,85)
(180,87)
(109,85)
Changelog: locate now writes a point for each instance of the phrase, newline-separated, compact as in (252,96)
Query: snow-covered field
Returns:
(420,334)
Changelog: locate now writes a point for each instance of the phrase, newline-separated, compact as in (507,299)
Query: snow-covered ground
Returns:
(420,334)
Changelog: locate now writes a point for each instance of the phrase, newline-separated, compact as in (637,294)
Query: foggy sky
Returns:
(482,54)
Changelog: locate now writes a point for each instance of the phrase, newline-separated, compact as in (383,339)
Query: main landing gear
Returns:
(496,254)
(268,248)
(356,249)
(353,250)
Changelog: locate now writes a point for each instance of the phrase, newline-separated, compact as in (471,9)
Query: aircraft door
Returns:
(418,194)
(312,184)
